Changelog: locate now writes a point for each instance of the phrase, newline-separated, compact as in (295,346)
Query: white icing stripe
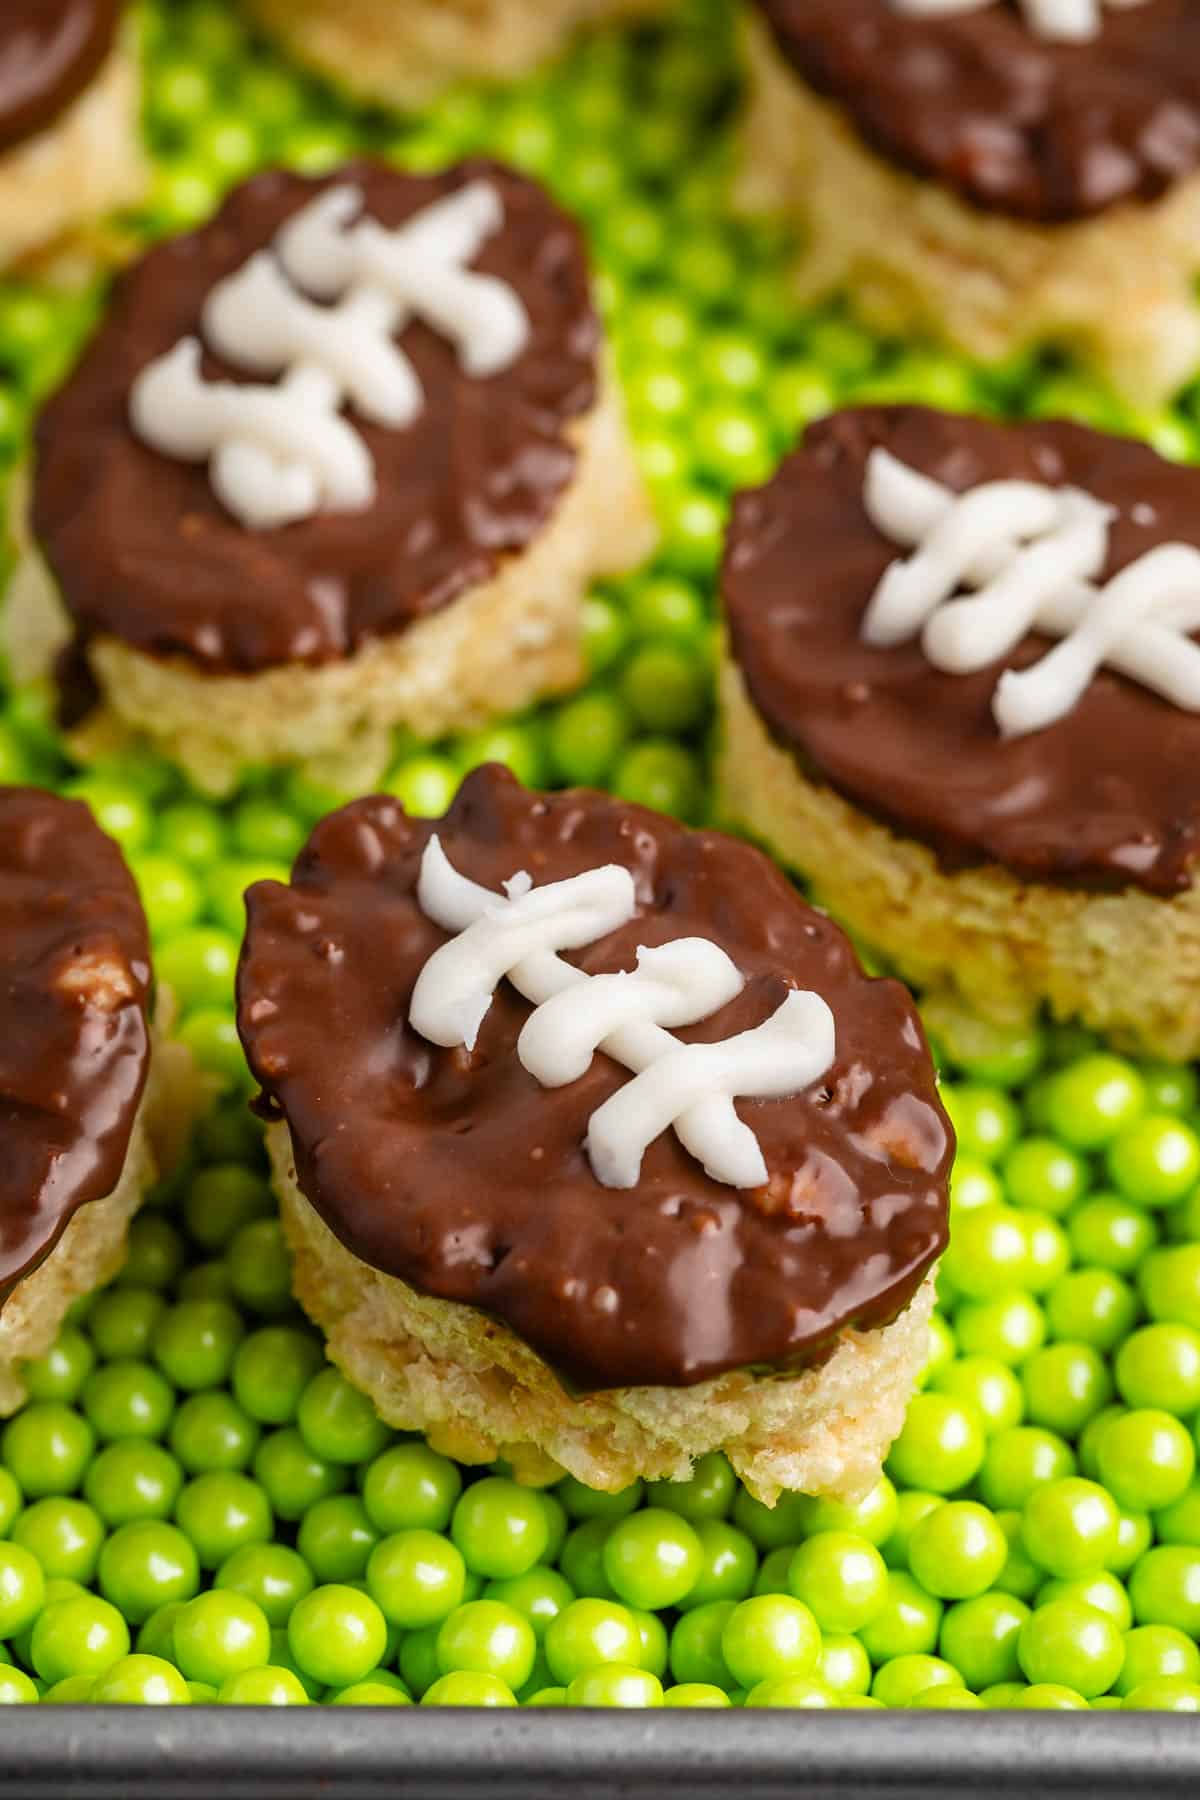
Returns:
(1121,625)
(676,984)
(284,458)
(792,1048)
(1030,552)
(1066,21)
(967,634)
(454,990)
(689,1087)
(283,452)
(420,268)
(977,540)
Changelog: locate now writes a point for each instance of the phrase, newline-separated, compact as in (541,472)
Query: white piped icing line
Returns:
(690,1087)
(283,452)
(1066,21)
(1030,554)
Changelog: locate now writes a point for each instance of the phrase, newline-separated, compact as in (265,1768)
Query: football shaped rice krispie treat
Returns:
(404,55)
(70,127)
(344,459)
(962,695)
(84,1117)
(595,1147)
(1000,172)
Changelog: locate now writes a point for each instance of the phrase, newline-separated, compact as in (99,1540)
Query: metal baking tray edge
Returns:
(350,1753)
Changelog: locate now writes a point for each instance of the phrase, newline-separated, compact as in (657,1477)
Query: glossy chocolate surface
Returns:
(50,50)
(1010,121)
(74,1042)
(1107,797)
(144,551)
(460,1174)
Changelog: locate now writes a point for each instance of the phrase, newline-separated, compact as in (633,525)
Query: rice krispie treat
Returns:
(70,126)
(1002,173)
(344,459)
(82,1117)
(404,55)
(961,695)
(679,1188)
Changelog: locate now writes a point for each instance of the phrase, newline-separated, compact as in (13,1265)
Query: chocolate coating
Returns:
(74,1042)
(144,551)
(1010,121)
(1107,797)
(460,1174)
(50,50)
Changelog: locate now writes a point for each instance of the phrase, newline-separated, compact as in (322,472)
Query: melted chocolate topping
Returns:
(74,1043)
(457,1172)
(1107,797)
(1010,121)
(50,50)
(143,549)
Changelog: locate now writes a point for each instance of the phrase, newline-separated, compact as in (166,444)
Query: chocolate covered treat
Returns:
(344,459)
(84,1119)
(70,134)
(962,695)
(1004,173)
(595,1146)
(405,55)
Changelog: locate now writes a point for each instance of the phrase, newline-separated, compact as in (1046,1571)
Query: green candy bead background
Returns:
(195,1508)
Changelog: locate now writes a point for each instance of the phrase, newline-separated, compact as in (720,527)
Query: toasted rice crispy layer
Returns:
(92,1248)
(913,257)
(87,164)
(497,648)
(1005,945)
(403,55)
(479,1392)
